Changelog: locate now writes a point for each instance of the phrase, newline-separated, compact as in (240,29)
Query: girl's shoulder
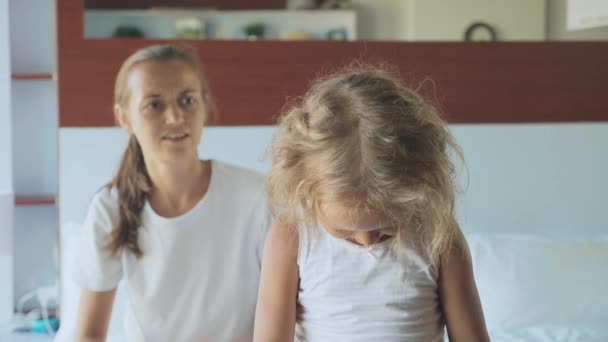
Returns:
(284,239)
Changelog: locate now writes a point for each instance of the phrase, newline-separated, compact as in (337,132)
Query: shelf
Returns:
(44,200)
(32,77)
(226,25)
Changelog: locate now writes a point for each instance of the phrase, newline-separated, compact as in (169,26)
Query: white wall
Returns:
(35,136)
(32,35)
(35,244)
(6,188)
(547,179)
(6,257)
(448,20)
(444,20)
(556,25)
(6,178)
(381,19)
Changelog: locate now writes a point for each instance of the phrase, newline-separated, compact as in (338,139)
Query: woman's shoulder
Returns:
(106,195)
(242,179)
(105,202)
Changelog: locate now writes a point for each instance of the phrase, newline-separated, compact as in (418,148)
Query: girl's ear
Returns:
(121,117)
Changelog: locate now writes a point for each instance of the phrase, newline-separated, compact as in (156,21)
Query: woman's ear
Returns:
(121,117)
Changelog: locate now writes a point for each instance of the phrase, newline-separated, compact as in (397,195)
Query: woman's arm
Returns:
(275,315)
(459,298)
(94,315)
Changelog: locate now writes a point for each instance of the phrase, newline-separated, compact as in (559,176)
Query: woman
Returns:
(185,234)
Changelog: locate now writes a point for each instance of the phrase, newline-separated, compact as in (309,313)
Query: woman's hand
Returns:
(94,315)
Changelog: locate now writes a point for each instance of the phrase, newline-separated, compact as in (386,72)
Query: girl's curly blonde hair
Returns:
(362,139)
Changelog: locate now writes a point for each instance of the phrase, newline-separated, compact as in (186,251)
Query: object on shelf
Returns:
(190,28)
(337,34)
(45,326)
(297,35)
(34,200)
(336,4)
(127,31)
(301,4)
(480,31)
(31,77)
(255,31)
(40,320)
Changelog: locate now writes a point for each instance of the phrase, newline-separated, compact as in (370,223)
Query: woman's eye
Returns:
(187,101)
(155,105)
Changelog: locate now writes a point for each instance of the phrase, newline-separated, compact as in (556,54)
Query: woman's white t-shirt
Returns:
(198,277)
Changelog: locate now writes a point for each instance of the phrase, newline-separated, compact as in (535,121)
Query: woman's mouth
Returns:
(176,137)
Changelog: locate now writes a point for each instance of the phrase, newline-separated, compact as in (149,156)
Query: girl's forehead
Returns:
(350,210)
(359,219)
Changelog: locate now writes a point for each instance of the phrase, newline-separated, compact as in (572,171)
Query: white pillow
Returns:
(550,334)
(529,280)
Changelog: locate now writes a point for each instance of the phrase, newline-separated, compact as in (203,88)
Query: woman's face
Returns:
(165,110)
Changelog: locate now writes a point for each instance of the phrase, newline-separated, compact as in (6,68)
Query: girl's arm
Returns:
(275,315)
(459,298)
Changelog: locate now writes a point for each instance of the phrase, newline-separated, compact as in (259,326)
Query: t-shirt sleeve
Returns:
(263,222)
(98,269)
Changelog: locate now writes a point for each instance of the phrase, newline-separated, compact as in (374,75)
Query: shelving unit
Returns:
(34,127)
(34,135)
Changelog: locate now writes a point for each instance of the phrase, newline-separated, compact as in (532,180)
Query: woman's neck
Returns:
(178,187)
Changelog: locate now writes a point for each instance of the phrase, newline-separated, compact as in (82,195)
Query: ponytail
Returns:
(133,185)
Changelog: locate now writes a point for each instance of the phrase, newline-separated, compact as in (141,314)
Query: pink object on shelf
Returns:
(34,200)
(31,77)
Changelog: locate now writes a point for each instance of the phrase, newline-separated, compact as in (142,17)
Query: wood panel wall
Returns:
(503,82)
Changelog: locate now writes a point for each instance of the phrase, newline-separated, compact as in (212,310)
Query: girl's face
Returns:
(361,227)
(165,110)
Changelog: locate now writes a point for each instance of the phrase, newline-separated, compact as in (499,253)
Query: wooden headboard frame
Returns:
(501,82)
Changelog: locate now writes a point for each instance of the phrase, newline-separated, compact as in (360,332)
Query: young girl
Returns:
(186,235)
(366,246)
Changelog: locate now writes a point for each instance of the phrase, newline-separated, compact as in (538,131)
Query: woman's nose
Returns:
(174,115)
